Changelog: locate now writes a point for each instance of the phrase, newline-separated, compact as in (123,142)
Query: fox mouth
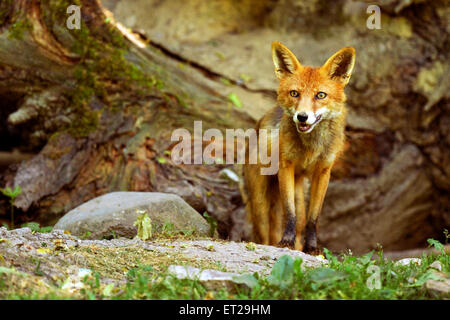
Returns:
(304,127)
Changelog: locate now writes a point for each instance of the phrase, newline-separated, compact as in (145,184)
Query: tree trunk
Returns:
(102,109)
(97,107)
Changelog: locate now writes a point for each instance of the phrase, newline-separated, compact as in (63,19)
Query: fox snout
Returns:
(305,121)
(305,117)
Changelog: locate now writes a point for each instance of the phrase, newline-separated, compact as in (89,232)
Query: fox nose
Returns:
(302,117)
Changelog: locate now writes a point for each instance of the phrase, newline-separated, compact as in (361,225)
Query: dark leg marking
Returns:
(288,239)
(311,238)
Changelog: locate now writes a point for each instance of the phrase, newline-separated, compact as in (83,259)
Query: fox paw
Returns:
(313,250)
(287,243)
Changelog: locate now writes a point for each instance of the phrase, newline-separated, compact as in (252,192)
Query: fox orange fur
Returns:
(310,116)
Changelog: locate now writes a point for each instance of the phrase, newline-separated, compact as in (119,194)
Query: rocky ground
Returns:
(57,262)
(44,260)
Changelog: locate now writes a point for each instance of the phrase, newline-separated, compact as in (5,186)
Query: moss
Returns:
(102,60)
(18,28)
(116,262)
(86,123)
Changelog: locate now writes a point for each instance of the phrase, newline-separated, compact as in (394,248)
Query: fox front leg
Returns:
(300,211)
(286,182)
(319,186)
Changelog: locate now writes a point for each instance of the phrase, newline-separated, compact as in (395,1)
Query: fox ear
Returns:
(340,66)
(284,60)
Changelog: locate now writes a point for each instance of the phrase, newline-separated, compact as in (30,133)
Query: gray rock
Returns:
(436,265)
(211,279)
(438,287)
(408,261)
(115,213)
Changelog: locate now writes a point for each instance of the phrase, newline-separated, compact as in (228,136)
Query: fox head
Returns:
(312,94)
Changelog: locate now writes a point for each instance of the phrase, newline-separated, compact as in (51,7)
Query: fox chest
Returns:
(303,159)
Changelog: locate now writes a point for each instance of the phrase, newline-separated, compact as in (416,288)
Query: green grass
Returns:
(344,277)
(36,227)
(12,194)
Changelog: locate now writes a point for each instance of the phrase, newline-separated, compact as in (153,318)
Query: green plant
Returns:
(144,225)
(436,244)
(188,232)
(346,277)
(85,235)
(18,29)
(168,229)
(36,227)
(212,224)
(12,194)
(91,289)
(37,270)
(447,236)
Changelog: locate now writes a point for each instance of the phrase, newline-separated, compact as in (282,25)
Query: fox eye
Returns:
(321,95)
(294,93)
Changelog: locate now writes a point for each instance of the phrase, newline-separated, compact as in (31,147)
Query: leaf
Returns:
(325,275)
(282,271)
(12,193)
(6,191)
(43,250)
(46,229)
(315,286)
(235,100)
(365,259)
(107,291)
(246,279)
(251,246)
(161,160)
(85,236)
(437,245)
(144,225)
(34,226)
(212,224)
(298,266)
(329,256)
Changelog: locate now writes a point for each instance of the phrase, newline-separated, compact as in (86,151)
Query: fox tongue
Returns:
(303,127)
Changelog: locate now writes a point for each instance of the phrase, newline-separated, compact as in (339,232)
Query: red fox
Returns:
(310,116)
